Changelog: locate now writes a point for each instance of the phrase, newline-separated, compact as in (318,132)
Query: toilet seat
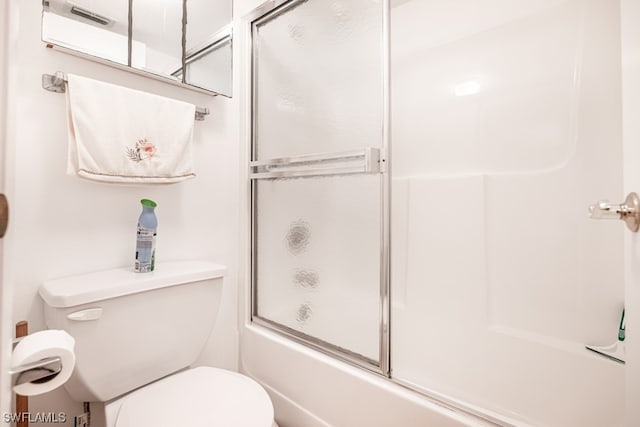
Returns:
(199,397)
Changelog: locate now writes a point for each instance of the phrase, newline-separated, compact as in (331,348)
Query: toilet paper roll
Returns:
(41,345)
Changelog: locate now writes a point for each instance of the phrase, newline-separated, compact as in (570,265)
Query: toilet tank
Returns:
(133,328)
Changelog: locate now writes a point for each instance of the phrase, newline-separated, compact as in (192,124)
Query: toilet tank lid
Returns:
(81,289)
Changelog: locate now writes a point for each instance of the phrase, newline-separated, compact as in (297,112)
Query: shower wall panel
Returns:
(505,127)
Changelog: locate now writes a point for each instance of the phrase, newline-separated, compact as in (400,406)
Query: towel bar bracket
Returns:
(54,82)
(201,112)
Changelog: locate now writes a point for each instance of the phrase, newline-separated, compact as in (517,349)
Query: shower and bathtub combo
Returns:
(419,182)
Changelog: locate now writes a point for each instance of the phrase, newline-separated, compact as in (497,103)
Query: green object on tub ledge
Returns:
(615,351)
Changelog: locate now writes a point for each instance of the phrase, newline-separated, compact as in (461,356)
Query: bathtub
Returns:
(310,389)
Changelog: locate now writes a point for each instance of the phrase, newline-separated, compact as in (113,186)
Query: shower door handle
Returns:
(628,211)
(368,160)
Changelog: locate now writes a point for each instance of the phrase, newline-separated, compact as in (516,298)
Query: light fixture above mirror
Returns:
(186,43)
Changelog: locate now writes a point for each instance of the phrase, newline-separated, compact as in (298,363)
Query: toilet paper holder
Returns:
(35,372)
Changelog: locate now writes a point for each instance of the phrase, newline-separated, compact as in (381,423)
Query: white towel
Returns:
(124,135)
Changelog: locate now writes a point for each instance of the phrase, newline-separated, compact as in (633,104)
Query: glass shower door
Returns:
(317,175)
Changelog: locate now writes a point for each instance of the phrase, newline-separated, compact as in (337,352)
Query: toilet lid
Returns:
(199,397)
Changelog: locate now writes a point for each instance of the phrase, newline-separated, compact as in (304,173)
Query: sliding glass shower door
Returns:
(318,185)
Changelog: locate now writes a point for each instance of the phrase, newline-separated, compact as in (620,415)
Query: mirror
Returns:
(186,42)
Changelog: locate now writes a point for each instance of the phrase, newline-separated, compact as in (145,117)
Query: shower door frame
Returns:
(260,15)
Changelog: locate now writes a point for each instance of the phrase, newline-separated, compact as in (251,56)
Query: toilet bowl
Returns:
(200,397)
(137,335)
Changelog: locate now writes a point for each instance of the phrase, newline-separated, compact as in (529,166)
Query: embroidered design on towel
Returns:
(143,150)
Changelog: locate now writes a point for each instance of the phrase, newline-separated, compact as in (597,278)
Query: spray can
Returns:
(146,237)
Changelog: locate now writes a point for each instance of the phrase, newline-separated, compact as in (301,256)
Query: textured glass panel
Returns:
(318,258)
(318,79)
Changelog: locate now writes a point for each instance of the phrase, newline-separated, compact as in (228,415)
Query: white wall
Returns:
(62,225)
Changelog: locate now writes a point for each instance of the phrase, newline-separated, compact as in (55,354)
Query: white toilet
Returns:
(136,335)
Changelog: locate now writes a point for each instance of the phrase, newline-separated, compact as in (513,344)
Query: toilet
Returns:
(137,335)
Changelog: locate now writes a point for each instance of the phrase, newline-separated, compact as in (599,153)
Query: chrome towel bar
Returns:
(57,83)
